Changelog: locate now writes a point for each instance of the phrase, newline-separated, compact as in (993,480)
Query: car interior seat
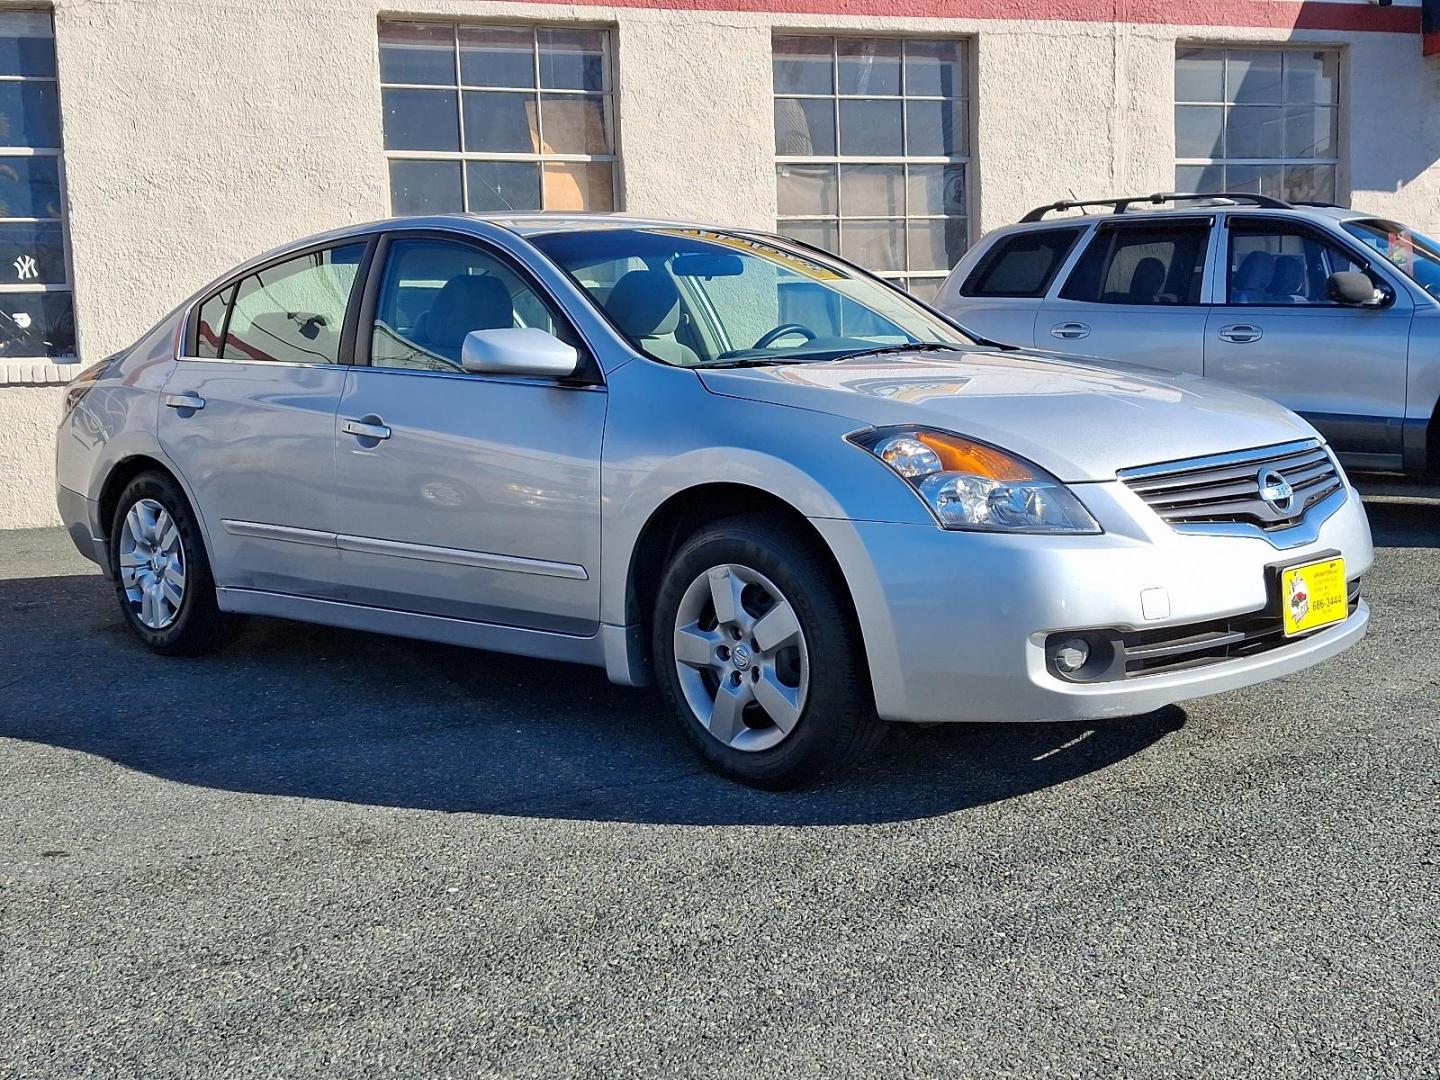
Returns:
(466,302)
(645,305)
(1251,283)
(1147,281)
(1287,282)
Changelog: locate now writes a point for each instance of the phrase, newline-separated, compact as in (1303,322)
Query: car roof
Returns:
(1308,211)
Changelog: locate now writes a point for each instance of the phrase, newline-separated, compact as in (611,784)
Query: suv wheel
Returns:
(759,658)
(162,574)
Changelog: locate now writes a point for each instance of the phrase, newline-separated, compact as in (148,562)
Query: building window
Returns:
(37,313)
(497,118)
(1265,121)
(872,143)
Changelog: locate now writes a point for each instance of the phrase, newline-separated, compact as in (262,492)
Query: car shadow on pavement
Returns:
(310,712)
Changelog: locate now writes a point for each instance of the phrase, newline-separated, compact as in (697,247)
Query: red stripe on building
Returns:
(1266,14)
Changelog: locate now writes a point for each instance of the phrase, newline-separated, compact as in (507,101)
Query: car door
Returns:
(465,495)
(1137,294)
(1276,331)
(999,293)
(249,419)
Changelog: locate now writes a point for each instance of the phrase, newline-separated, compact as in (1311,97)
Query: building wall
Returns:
(199,133)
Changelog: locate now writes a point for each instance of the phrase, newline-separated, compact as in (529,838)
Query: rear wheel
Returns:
(759,657)
(162,573)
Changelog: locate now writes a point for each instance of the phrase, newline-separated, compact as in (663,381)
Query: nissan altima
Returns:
(799,501)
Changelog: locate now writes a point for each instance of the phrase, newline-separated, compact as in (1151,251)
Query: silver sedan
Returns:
(798,500)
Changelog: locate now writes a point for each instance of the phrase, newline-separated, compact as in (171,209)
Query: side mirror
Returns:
(1355,289)
(523,350)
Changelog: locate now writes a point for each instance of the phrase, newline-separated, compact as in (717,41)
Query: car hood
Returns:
(1080,421)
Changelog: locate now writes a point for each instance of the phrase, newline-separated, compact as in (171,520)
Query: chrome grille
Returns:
(1227,487)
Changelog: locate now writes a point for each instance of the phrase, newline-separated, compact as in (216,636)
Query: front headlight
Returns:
(970,485)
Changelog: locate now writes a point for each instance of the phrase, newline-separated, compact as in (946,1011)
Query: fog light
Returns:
(1072,655)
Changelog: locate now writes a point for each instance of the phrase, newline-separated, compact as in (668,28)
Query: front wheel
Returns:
(758,655)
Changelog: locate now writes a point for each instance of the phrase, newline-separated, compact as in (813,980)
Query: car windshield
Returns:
(1413,253)
(697,297)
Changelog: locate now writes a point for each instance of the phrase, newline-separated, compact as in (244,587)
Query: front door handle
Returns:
(193,402)
(1241,333)
(1071,331)
(367,427)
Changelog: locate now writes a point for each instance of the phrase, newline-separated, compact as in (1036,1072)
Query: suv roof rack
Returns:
(1120,206)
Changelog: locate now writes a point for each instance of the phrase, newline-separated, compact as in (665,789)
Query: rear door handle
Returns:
(194,402)
(1071,331)
(1241,333)
(368,427)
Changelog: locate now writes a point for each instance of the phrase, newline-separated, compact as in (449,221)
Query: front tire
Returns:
(759,658)
(162,573)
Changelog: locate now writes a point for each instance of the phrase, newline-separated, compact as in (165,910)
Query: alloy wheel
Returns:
(152,564)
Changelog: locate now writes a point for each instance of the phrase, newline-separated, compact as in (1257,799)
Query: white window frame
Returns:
(1227,49)
(837,159)
(541,157)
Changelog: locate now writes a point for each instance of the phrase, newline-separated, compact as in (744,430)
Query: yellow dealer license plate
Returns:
(1313,595)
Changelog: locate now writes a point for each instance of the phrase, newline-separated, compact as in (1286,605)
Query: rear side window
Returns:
(1022,265)
(293,311)
(1142,264)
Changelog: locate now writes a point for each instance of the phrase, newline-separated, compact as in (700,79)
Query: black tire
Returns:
(199,626)
(838,725)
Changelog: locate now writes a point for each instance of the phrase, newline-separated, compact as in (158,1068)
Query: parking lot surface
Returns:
(324,853)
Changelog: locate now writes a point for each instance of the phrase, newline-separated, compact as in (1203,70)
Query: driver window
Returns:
(1280,265)
(434,292)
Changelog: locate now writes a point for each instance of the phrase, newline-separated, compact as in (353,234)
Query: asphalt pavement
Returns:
(330,854)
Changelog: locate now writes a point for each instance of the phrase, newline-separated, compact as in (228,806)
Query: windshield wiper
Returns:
(758,361)
(909,346)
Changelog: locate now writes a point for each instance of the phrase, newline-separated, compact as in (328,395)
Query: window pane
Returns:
(932,69)
(1150,265)
(1281,266)
(1312,77)
(925,289)
(935,128)
(875,245)
(1254,179)
(31,254)
(503,185)
(872,190)
(574,124)
(294,311)
(1023,265)
(211,324)
(1199,75)
(500,123)
(1310,183)
(1253,78)
(937,189)
(1310,132)
(819,234)
(494,56)
(806,190)
(870,128)
(26,44)
(29,115)
(572,59)
(417,53)
(804,65)
(804,127)
(1200,178)
(420,120)
(1254,131)
(30,187)
(937,244)
(573,186)
(425,187)
(1199,131)
(868,66)
(36,325)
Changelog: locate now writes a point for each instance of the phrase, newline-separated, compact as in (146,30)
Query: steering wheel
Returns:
(784,330)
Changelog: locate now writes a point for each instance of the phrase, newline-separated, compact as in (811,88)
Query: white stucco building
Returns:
(147,145)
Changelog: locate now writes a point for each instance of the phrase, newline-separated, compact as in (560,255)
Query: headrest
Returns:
(644,303)
(468,302)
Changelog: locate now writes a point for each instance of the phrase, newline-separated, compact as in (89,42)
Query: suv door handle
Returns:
(367,427)
(193,402)
(1071,331)
(1241,333)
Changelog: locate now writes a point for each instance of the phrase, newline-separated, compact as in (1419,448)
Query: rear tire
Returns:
(778,704)
(162,572)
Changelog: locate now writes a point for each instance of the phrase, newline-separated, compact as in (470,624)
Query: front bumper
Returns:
(955,623)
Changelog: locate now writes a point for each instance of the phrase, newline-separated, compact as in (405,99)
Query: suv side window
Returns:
(293,311)
(1278,263)
(1159,264)
(1021,266)
(434,292)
